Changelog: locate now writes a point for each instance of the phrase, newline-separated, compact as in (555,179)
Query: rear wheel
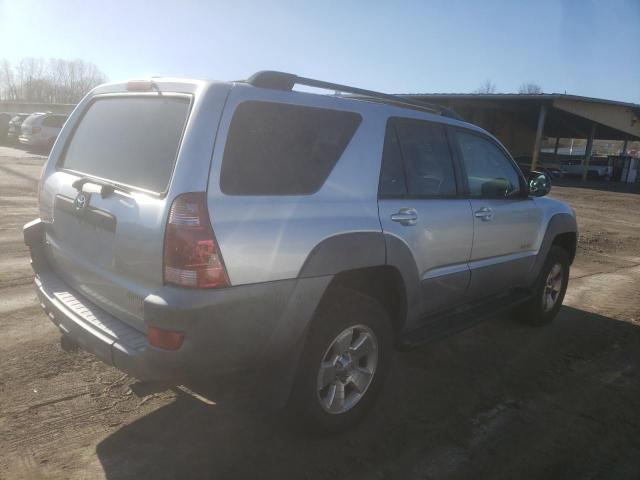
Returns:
(550,289)
(344,364)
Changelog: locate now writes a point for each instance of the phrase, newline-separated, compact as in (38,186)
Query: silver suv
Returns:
(41,129)
(192,228)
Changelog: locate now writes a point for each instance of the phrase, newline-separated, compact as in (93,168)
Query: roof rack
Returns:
(286,81)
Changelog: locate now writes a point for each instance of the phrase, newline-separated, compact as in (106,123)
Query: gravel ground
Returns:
(501,400)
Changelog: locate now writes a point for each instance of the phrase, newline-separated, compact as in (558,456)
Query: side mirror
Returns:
(539,184)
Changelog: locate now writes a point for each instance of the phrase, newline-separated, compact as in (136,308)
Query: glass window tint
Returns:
(130,140)
(392,181)
(48,121)
(281,149)
(60,119)
(55,121)
(489,172)
(427,159)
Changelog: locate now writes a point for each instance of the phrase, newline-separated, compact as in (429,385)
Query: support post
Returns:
(536,145)
(624,147)
(587,153)
(555,149)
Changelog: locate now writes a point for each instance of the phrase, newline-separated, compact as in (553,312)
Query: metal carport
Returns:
(521,121)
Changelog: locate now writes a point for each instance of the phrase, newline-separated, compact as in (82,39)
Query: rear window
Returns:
(129,140)
(280,149)
(31,119)
(55,121)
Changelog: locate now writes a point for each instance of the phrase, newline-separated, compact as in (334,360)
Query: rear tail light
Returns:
(35,129)
(44,212)
(191,254)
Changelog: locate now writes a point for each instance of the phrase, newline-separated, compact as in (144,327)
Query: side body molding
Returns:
(559,223)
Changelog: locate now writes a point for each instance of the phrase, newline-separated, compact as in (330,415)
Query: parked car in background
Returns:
(5,117)
(15,124)
(41,129)
(595,172)
(552,172)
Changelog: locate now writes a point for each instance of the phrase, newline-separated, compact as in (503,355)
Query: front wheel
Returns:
(344,364)
(549,290)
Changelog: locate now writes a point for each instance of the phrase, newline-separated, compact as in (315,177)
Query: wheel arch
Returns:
(569,242)
(374,263)
(383,283)
(561,230)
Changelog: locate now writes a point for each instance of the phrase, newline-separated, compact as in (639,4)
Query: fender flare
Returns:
(558,224)
(350,251)
(345,251)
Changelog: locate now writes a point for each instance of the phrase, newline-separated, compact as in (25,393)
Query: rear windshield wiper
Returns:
(107,187)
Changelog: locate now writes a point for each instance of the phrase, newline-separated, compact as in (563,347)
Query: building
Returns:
(522,121)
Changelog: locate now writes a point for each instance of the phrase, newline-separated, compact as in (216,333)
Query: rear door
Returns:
(419,203)
(506,221)
(108,245)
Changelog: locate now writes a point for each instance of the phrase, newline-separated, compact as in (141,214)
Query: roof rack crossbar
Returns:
(286,81)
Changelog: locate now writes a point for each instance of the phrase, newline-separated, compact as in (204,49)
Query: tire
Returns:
(342,311)
(544,305)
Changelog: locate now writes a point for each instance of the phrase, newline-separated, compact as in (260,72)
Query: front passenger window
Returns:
(489,172)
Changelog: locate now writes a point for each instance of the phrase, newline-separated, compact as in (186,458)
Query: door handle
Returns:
(485,214)
(405,216)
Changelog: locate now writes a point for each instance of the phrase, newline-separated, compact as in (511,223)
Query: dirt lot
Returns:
(501,400)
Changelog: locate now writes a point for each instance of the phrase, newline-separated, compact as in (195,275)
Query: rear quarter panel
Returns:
(266,238)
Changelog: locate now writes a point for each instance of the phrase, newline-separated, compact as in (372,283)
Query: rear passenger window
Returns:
(426,157)
(280,149)
(49,122)
(59,122)
(55,121)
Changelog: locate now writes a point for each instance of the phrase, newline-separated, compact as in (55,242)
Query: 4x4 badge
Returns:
(82,201)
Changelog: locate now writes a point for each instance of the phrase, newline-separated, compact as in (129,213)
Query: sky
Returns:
(581,47)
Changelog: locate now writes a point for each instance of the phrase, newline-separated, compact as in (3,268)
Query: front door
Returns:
(506,221)
(419,204)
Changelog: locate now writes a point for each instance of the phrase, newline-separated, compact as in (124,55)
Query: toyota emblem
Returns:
(82,201)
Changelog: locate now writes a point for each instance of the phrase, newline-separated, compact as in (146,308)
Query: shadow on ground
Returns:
(501,400)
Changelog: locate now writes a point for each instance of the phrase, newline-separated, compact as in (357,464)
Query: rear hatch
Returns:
(27,126)
(108,195)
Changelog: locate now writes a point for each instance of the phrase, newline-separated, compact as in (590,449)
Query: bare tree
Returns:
(8,88)
(530,88)
(52,81)
(487,87)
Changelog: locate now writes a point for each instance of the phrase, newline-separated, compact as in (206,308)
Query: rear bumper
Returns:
(238,328)
(97,332)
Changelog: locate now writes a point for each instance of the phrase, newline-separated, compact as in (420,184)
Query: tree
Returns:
(8,89)
(487,87)
(530,88)
(53,81)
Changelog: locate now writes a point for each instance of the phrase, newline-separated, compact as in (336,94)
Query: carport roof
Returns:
(570,116)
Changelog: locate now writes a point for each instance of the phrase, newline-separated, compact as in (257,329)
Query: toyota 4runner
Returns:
(191,228)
